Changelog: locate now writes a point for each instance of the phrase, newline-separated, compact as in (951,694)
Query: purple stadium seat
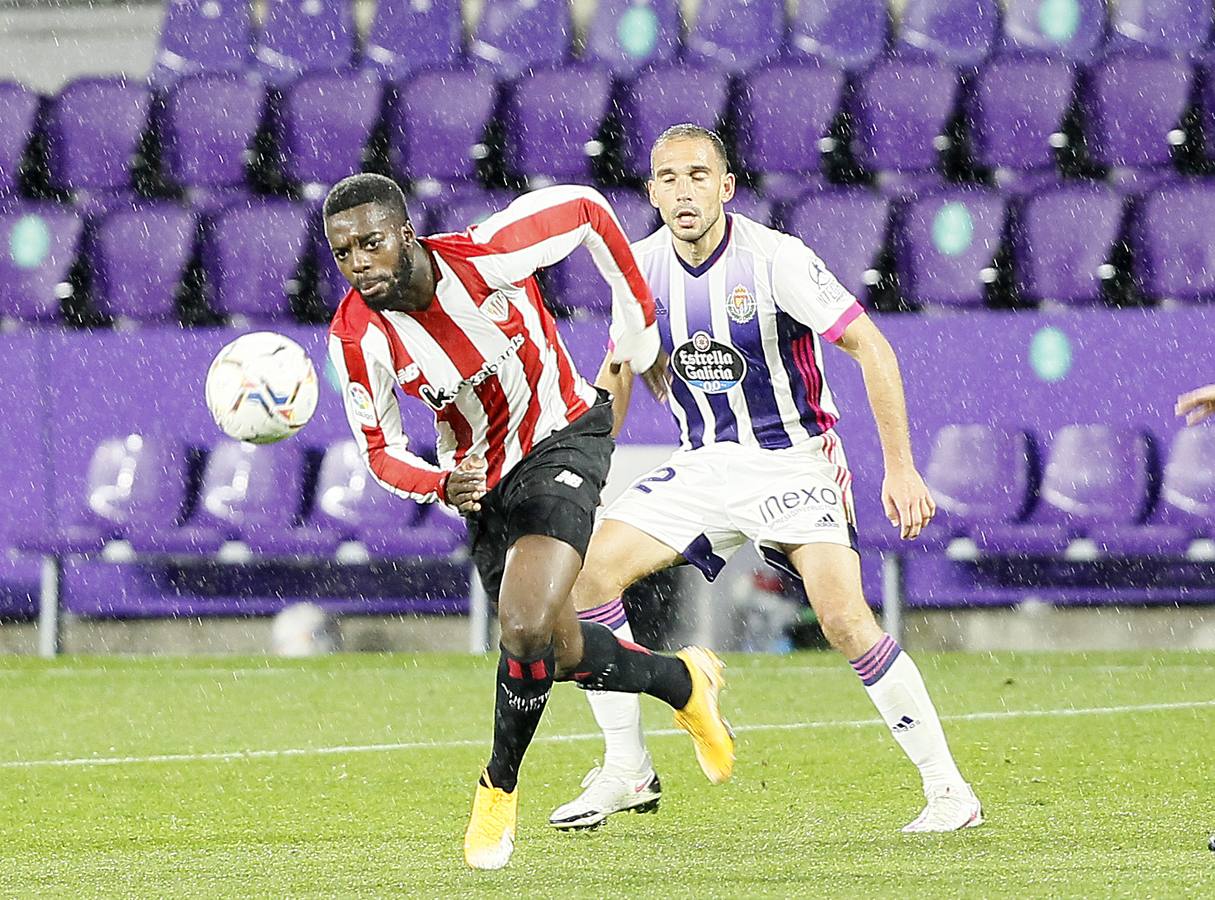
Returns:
(301,36)
(847,229)
(666,95)
(41,241)
(407,36)
(754,206)
(553,117)
(202,36)
(327,119)
(901,110)
(516,35)
(94,130)
(1173,244)
(945,245)
(626,35)
(1095,480)
(467,209)
(980,476)
(210,123)
(1133,108)
(1072,29)
(1164,26)
(1062,241)
(957,32)
(351,502)
(737,34)
(578,282)
(783,141)
(437,124)
(850,33)
(18,116)
(251,256)
(137,259)
(1016,107)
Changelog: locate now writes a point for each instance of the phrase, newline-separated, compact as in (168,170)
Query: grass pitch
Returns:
(352,776)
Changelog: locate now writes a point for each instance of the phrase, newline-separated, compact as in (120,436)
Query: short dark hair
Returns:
(688,130)
(365,188)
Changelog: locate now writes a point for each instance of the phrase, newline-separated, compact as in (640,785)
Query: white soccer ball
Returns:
(261,388)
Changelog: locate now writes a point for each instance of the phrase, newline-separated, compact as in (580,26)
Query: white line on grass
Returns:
(564,738)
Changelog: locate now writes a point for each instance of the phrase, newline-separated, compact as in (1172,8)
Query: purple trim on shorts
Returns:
(700,554)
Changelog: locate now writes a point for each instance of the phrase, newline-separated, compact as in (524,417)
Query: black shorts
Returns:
(553,491)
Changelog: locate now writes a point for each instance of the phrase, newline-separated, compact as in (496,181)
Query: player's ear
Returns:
(408,235)
(649,186)
(727,187)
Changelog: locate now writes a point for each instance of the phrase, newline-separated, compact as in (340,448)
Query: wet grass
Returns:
(371,797)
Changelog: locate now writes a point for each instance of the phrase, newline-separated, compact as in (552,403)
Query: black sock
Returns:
(610,664)
(523,689)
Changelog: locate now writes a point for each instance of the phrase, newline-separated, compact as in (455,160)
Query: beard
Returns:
(697,235)
(394,291)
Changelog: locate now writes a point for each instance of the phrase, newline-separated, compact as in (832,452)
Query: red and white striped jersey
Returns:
(485,356)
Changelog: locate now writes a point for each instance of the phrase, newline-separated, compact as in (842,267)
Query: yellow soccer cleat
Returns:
(702,718)
(490,838)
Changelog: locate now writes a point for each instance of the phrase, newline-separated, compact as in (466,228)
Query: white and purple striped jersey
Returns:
(743,330)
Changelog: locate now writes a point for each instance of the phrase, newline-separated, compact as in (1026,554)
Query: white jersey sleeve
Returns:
(804,287)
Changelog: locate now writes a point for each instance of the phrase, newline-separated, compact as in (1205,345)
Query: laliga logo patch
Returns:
(358,401)
(496,307)
(740,306)
(709,365)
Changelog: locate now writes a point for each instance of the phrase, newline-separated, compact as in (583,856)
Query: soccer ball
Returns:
(261,388)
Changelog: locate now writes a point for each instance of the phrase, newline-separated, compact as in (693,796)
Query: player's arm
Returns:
(617,379)
(807,290)
(375,420)
(543,227)
(1196,405)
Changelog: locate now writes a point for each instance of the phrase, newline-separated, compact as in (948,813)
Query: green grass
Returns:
(1113,803)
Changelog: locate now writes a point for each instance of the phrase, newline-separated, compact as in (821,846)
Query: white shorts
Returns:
(708,502)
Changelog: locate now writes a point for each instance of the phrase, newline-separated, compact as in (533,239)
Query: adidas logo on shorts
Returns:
(827,521)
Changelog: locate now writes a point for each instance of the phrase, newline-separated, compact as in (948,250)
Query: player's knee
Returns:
(523,637)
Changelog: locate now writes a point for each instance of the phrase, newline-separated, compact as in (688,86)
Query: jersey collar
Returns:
(697,271)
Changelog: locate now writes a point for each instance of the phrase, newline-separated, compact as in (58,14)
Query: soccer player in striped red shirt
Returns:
(457,323)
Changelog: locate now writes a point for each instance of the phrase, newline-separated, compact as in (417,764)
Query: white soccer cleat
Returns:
(950,808)
(609,791)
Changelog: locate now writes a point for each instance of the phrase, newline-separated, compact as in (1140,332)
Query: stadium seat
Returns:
(301,36)
(901,110)
(783,141)
(577,281)
(753,205)
(516,35)
(1062,240)
(350,501)
(1016,107)
(210,123)
(552,121)
(980,476)
(736,34)
(1206,102)
(407,36)
(437,124)
(1161,26)
(1072,30)
(955,32)
(626,35)
(137,259)
(847,229)
(1172,243)
(1096,478)
(851,34)
(467,209)
(659,97)
(945,245)
(18,116)
(202,36)
(94,129)
(326,121)
(42,240)
(251,255)
(1133,108)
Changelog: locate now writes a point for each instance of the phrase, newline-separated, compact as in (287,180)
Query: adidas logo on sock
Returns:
(904,724)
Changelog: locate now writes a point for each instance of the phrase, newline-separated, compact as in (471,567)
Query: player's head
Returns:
(690,180)
(369,232)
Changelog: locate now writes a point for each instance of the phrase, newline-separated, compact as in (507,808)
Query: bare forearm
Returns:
(884,386)
(619,384)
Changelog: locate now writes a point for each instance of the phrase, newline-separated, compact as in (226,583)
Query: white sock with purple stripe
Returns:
(897,690)
(618,715)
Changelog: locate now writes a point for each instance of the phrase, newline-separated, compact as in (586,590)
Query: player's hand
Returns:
(658,376)
(1197,405)
(466,485)
(908,502)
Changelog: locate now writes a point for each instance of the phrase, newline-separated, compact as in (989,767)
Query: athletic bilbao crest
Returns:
(496,307)
(740,305)
(709,365)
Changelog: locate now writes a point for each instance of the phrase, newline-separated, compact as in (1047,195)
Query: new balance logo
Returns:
(569,479)
(904,724)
